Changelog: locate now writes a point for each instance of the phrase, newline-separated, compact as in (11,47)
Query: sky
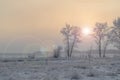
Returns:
(30,25)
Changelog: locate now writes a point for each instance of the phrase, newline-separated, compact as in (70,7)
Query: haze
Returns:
(28,25)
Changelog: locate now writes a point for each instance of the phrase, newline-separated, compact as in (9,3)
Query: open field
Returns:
(51,69)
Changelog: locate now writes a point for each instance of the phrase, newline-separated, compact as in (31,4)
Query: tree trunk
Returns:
(99,51)
(68,48)
(105,48)
(104,52)
(72,47)
(100,48)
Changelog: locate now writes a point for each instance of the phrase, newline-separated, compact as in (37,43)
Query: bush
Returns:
(56,52)
(31,56)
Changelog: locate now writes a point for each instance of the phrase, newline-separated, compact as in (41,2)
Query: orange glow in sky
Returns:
(44,19)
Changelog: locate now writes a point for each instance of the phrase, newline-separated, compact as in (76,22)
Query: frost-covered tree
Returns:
(116,33)
(66,31)
(72,37)
(107,39)
(99,35)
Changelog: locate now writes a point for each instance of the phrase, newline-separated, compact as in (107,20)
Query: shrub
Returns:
(56,52)
(31,56)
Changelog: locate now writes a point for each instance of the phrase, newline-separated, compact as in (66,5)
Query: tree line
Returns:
(103,35)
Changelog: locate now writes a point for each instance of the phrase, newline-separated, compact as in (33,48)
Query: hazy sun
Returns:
(86,31)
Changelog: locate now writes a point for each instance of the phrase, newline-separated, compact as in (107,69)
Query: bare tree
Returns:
(107,40)
(76,33)
(67,33)
(99,35)
(116,33)
(72,35)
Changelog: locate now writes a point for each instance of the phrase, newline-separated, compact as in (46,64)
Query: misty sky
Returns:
(28,25)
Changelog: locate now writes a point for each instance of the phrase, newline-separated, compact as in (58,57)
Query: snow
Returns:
(61,69)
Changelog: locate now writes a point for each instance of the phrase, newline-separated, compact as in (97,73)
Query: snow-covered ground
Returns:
(74,69)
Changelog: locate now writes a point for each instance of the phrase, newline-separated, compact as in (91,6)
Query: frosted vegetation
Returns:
(73,65)
(61,69)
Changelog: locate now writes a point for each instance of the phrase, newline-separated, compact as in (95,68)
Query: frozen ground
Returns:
(74,69)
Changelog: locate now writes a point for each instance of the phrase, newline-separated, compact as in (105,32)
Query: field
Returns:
(61,69)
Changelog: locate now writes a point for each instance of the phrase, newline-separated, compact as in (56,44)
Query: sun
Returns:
(86,31)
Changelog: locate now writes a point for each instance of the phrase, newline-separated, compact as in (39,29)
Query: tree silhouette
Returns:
(72,37)
(116,33)
(99,35)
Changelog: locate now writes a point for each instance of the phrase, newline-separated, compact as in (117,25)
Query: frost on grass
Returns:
(102,69)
